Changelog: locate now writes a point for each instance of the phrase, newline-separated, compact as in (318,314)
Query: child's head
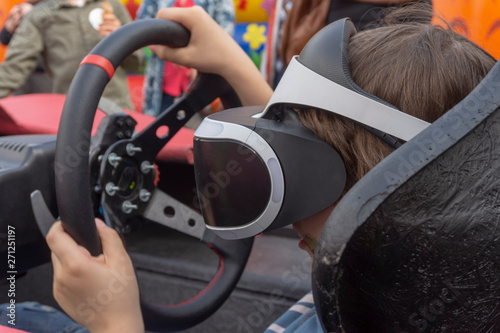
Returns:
(426,258)
(421,69)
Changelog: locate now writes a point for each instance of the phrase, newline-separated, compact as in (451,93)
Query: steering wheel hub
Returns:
(128,185)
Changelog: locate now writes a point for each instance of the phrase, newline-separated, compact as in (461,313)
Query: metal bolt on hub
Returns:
(131,149)
(128,207)
(144,195)
(111,188)
(146,167)
(114,159)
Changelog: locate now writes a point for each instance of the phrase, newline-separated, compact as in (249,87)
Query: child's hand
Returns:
(109,24)
(100,292)
(212,50)
(207,38)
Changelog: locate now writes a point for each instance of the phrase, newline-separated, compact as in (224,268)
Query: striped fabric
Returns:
(300,318)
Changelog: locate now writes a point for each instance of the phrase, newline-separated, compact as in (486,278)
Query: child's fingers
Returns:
(186,17)
(112,245)
(63,245)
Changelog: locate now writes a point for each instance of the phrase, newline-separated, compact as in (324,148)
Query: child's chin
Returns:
(304,246)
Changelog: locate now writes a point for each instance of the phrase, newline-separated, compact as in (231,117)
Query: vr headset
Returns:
(259,168)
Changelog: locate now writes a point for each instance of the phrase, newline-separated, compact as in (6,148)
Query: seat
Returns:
(414,246)
(40,114)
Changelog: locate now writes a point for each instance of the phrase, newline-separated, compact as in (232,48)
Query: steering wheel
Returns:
(126,174)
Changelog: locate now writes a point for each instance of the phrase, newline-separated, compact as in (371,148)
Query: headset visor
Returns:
(231,175)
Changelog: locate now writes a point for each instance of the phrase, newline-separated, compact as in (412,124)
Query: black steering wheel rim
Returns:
(73,175)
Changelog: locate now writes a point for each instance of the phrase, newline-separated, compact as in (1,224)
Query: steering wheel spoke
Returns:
(167,211)
(204,90)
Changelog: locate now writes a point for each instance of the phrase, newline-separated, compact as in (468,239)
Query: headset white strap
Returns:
(300,85)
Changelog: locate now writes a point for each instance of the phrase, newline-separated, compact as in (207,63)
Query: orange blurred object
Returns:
(478,20)
(5,6)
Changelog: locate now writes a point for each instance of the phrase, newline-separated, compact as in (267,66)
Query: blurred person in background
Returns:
(62,33)
(38,81)
(294,22)
(165,81)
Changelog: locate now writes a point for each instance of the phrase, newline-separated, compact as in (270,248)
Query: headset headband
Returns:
(296,87)
(321,78)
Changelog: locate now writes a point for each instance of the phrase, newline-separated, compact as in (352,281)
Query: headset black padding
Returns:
(327,54)
(414,246)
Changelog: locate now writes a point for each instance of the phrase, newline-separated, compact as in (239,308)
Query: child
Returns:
(421,69)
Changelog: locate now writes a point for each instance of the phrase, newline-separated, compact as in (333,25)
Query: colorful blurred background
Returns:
(478,20)
(250,28)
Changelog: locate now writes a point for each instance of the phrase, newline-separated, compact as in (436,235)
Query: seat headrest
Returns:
(415,244)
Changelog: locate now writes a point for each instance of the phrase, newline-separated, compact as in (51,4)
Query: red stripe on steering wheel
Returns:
(95,59)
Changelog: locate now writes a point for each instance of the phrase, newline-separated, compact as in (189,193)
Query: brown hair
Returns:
(422,69)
